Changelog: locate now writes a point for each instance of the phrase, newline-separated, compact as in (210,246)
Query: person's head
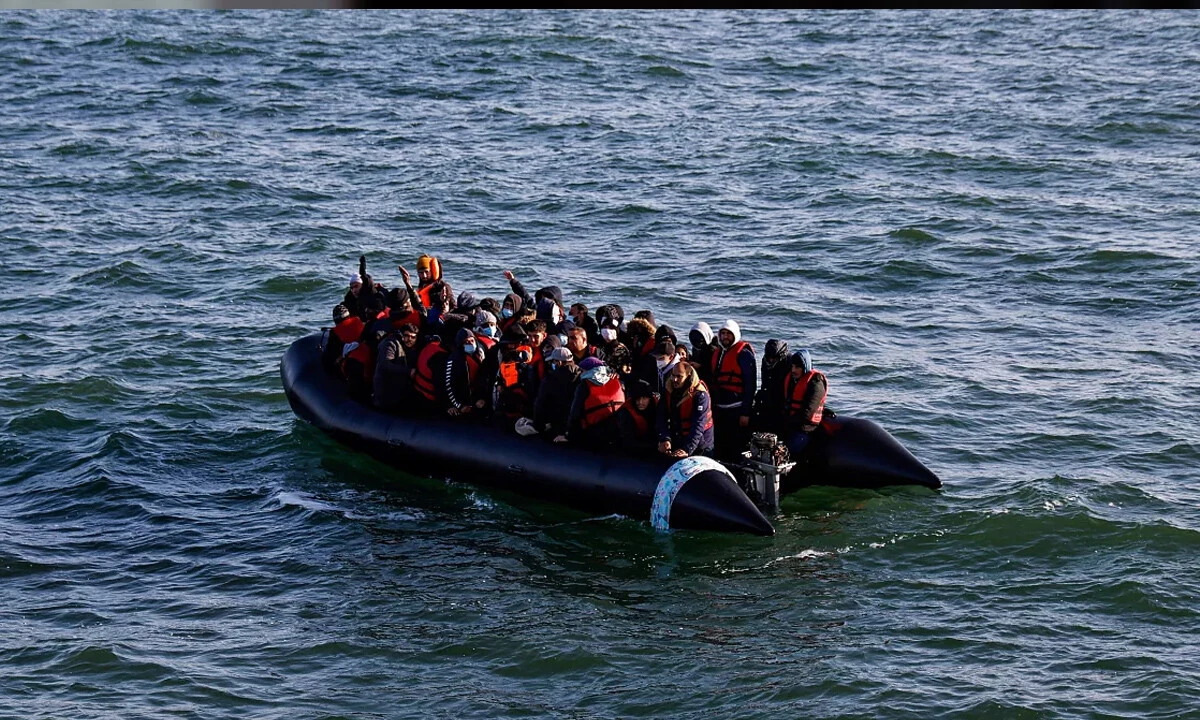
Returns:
(340,313)
(729,334)
(485,324)
(398,300)
(355,284)
(646,315)
(576,340)
(491,305)
(681,375)
(512,303)
(801,363)
(536,329)
(665,341)
(408,335)
(428,269)
(775,352)
(467,302)
(639,332)
(578,313)
(549,311)
(641,393)
(701,335)
(467,341)
(560,357)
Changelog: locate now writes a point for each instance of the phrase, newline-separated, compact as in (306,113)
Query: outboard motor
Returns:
(765,463)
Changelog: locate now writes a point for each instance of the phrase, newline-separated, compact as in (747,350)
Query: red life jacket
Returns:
(423,379)
(348,331)
(726,371)
(686,411)
(412,316)
(793,397)
(641,423)
(601,402)
(485,341)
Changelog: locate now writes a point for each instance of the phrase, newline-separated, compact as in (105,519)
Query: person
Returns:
(577,343)
(351,298)
(528,301)
(735,379)
(552,408)
(516,380)
(637,419)
(701,338)
(461,381)
(648,316)
(428,375)
(405,305)
(805,389)
(768,401)
(579,315)
(431,287)
(394,369)
(346,353)
(536,330)
(665,353)
(643,363)
(371,298)
(616,354)
(685,419)
(510,311)
(592,420)
(486,328)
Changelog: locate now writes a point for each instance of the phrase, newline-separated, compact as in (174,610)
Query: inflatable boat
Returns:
(692,493)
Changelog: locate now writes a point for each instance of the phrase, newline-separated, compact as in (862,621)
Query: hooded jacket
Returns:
(729,365)
(462,381)
(768,401)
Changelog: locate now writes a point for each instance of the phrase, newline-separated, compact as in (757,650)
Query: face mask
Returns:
(506,313)
(562,339)
(664,361)
(469,349)
(489,331)
(608,334)
(553,364)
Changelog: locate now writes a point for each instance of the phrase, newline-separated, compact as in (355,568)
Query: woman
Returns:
(685,424)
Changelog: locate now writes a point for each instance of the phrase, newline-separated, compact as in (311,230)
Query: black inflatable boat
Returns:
(693,493)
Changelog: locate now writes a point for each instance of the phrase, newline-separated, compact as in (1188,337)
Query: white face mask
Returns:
(608,334)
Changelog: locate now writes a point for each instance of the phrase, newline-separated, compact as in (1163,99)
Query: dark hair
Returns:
(535,326)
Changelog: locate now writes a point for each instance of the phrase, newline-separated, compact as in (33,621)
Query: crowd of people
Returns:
(540,368)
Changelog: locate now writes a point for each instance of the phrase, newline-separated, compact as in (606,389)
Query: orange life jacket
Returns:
(793,397)
(423,379)
(726,371)
(687,410)
(601,402)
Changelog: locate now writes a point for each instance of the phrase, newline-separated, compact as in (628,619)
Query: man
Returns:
(768,401)
(430,285)
(804,402)
(394,369)
(577,343)
(552,408)
(592,422)
(637,419)
(701,338)
(666,354)
(579,314)
(735,378)
(463,388)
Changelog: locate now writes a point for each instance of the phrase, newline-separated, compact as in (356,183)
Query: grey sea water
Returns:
(982,224)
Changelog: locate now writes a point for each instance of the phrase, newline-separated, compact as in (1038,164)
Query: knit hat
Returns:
(590,362)
(424,262)
(640,388)
(467,301)
(356,278)
(483,317)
